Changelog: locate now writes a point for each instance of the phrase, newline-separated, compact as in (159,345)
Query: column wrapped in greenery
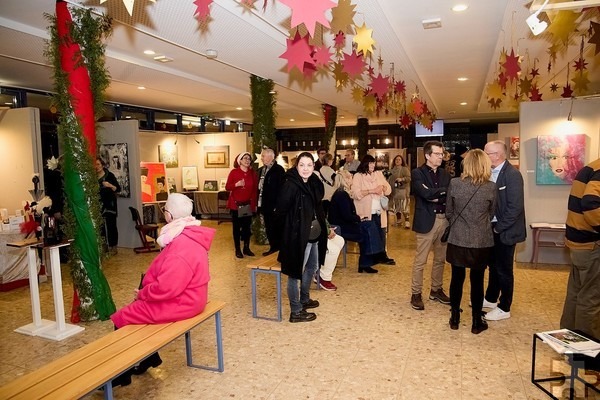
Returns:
(330,116)
(263,129)
(362,126)
(76,51)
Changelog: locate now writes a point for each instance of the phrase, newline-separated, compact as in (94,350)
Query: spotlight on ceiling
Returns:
(534,22)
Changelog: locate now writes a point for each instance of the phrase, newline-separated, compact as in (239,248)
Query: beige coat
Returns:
(363,202)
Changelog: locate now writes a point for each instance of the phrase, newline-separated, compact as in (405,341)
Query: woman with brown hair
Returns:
(399,180)
(470,205)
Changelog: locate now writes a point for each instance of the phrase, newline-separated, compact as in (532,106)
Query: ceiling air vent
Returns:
(432,23)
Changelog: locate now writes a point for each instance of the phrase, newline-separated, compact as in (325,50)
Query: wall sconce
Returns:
(534,22)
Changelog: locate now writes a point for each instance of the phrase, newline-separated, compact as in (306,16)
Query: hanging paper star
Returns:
(354,64)
(553,87)
(369,102)
(567,92)
(495,103)
(298,52)
(427,121)
(342,17)
(357,94)
(364,40)
(502,58)
(535,94)
(380,62)
(308,71)
(128,5)
(595,38)
(341,77)
(309,12)
(525,85)
(494,90)
(379,85)
(563,24)
(417,107)
(52,163)
(512,65)
(371,71)
(502,80)
(580,64)
(534,72)
(202,11)
(581,82)
(405,121)
(400,88)
(322,56)
(339,41)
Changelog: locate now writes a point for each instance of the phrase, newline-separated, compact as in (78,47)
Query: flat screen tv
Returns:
(437,130)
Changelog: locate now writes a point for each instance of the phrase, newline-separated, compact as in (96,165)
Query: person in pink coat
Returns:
(175,286)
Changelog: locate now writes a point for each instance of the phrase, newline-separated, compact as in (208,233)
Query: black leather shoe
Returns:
(248,252)
(122,380)
(310,304)
(270,251)
(368,270)
(479,325)
(388,261)
(238,253)
(454,319)
(302,316)
(153,361)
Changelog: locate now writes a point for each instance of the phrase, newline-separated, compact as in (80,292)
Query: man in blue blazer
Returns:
(429,186)
(509,229)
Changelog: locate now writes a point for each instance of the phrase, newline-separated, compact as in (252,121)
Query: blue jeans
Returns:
(310,266)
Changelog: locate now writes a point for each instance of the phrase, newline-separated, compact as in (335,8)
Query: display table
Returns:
(55,330)
(13,262)
(206,202)
(557,230)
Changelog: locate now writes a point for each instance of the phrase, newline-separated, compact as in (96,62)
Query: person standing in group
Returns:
(429,187)
(304,238)
(242,184)
(368,189)
(350,164)
(331,182)
(581,310)
(509,229)
(270,180)
(470,206)
(109,187)
(320,162)
(399,180)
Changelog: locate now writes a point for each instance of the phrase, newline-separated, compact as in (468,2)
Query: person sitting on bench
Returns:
(175,286)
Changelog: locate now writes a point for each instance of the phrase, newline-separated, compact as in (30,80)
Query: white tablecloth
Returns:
(13,261)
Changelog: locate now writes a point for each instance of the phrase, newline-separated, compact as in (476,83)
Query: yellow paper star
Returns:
(369,102)
(128,5)
(581,82)
(494,90)
(364,40)
(357,94)
(502,58)
(341,77)
(525,85)
(563,24)
(342,17)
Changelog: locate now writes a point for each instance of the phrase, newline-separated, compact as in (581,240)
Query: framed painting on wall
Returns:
(167,153)
(211,186)
(153,176)
(514,147)
(216,156)
(222,184)
(189,178)
(559,158)
(116,160)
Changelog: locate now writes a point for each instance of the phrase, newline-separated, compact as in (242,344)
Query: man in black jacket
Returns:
(429,186)
(270,180)
(509,229)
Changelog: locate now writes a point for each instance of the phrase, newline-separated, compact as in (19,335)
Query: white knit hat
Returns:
(238,159)
(179,205)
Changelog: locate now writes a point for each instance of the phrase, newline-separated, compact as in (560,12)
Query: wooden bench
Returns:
(94,365)
(266,265)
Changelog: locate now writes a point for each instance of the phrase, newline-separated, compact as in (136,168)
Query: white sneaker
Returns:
(497,314)
(487,304)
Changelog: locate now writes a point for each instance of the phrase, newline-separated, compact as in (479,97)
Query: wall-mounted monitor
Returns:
(437,130)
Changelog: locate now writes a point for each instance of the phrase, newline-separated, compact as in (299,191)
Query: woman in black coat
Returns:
(304,240)
(109,187)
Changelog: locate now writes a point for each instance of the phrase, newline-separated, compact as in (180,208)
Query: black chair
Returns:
(223,214)
(144,231)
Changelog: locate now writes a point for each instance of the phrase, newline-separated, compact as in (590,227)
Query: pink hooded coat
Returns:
(175,286)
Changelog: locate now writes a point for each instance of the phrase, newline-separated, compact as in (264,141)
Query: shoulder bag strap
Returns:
(463,209)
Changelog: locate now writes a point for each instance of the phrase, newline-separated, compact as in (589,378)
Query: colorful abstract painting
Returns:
(559,158)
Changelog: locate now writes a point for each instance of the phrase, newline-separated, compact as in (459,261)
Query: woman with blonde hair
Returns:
(470,205)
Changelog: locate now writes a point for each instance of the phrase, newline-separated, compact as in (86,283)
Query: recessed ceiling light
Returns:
(460,7)
(464,103)
(162,58)
(142,87)
(292,120)
(342,117)
(463,78)
(149,52)
(239,108)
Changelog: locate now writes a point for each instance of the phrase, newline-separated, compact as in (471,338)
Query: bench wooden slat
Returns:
(83,370)
(268,262)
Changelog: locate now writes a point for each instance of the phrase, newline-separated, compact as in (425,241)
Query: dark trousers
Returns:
(502,278)
(456,288)
(110,226)
(241,228)
(272,229)
(372,244)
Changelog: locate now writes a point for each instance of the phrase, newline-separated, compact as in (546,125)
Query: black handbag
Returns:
(244,210)
(446,233)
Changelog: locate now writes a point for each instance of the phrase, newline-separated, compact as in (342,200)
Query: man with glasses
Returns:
(429,186)
(351,164)
(509,229)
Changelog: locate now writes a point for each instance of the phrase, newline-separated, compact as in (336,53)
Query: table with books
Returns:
(580,352)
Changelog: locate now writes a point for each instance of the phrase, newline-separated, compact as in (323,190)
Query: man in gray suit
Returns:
(509,229)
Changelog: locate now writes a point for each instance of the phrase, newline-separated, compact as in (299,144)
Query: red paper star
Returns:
(418,107)
(567,92)
(202,11)
(309,12)
(535,94)
(340,40)
(502,80)
(354,64)
(534,72)
(580,64)
(595,38)
(298,52)
(512,66)
(380,85)
(371,71)
(405,121)
(322,56)
(400,87)
(553,87)
(309,71)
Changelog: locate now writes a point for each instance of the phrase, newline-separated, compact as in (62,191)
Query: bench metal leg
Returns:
(188,348)
(108,393)
(277,275)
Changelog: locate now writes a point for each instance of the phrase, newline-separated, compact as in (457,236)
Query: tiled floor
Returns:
(367,342)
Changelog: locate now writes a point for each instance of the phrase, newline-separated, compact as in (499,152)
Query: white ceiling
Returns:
(250,42)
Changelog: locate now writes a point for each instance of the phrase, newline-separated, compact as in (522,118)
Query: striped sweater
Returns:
(583,219)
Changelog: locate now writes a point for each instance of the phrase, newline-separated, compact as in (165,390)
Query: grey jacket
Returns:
(472,227)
